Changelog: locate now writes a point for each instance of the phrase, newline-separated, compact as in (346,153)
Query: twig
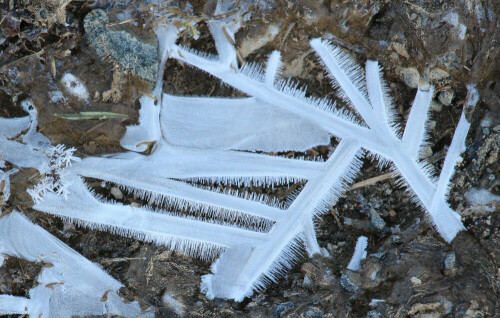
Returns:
(333,212)
(370,181)
(23,58)
(121,22)
(122,259)
(287,32)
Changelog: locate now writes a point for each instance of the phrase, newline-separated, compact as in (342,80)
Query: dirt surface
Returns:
(410,270)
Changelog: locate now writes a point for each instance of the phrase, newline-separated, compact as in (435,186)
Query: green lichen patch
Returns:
(120,46)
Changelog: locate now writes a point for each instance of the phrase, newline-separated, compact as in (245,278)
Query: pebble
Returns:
(347,284)
(450,264)
(435,106)
(307,282)
(373,314)
(410,76)
(320,275)
(117,193)
(313,312)
(281,308)
(446,97)
(437,74)
(376,221)
(426,152)
(177,306)
(431,124)
(330,247)
(396,238)
(448,306)
(486,123)
(416,281)
(378,255)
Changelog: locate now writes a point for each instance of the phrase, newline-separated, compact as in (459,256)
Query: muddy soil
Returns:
(410,270)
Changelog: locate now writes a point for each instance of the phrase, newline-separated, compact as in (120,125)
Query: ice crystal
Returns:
(199,142)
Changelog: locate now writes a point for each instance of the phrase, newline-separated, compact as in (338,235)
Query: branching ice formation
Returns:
(203,140)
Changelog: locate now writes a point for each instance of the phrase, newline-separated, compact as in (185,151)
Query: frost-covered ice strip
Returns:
(72,286)
(5,184)
(247,267)
(359,253)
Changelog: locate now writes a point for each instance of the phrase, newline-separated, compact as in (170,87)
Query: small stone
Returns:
(396,238)
(373,314)
(437,74)
(135,205)
(392,213)
(330,247)
(117,193)
(426,152)
(450,264)
(415,281)
(486,123)
(281,308)
(447,306)
(376,221)
(176,305)
(68,226)
(347,284)
(435,106)
(313,312)
(401,50)
(410,76)
(446,97)
(307,282)
(378,255)
(319,275)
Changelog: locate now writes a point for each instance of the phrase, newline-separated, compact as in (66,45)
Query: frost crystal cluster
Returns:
(199,142)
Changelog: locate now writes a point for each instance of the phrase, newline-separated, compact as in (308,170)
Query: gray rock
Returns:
(133,55)
(307,282)
(281,308)
(437,74)
(348,284)
(174,304)
(373,314)
(450,264)
(448,306)
(396,238)
(376,221)
(446,97)
(117,193)
(426,152)
(435,106)
(410,76)
(313,312)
